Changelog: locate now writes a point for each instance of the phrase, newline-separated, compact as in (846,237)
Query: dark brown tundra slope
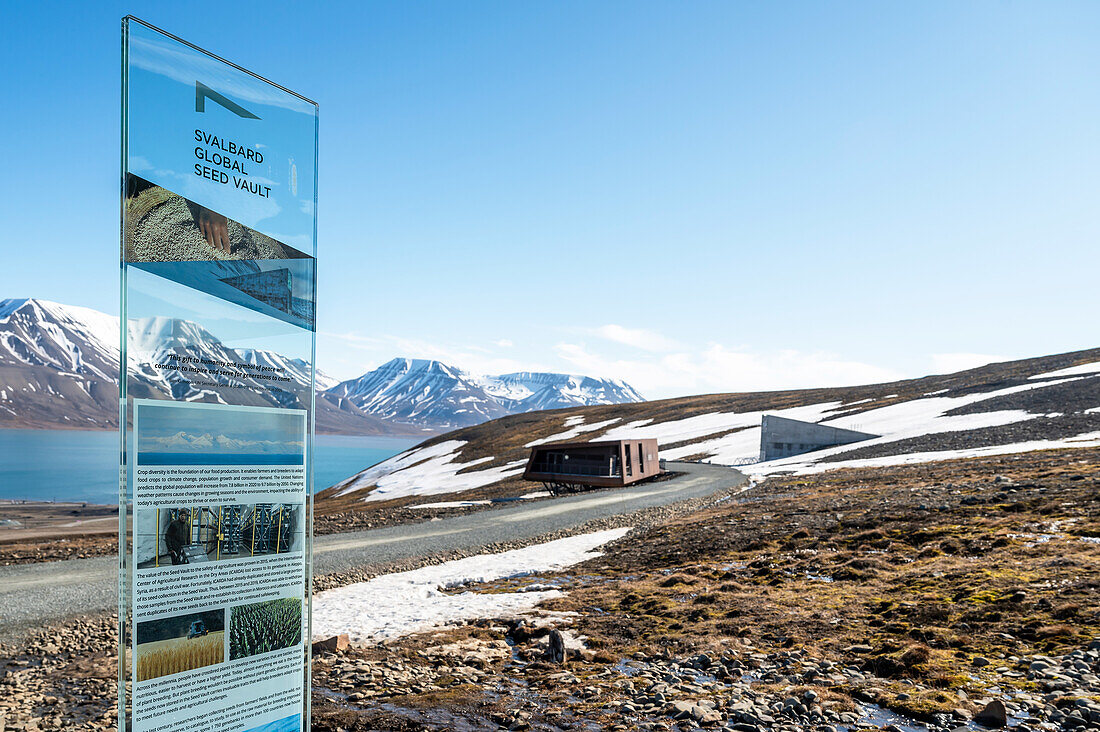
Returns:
(920,596)
(1068,408)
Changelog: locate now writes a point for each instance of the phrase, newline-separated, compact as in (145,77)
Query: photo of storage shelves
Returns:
(168,536)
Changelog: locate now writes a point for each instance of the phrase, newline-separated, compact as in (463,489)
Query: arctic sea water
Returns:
(71,465)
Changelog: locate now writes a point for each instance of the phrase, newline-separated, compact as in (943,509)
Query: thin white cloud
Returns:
(166,57)
(646,340)
(718,368)
(946,363)
(471,358)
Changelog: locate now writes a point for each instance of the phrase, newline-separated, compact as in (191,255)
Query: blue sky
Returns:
(693,196)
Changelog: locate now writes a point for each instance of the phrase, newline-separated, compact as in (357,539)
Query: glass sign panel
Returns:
(218,254)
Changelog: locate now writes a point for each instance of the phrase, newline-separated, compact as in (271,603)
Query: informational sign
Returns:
(218,247)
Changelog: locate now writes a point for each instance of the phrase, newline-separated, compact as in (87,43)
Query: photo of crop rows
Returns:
(264,626)
(178,655)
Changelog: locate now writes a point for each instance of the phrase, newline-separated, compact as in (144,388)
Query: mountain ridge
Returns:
(430,392)
(59,366)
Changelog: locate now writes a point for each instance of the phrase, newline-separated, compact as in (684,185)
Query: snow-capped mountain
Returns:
(435,395)
(295,368)
(59,367)
(528,391)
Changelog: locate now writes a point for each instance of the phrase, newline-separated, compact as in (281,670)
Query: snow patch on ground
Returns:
(427,471)
(399,604)
(452,504)
(893,422)
(1078,370)
(577,427)
(701,425)
(1089,439)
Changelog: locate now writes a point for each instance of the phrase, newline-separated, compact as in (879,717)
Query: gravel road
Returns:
(36,594)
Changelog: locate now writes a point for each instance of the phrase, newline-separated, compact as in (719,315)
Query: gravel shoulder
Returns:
(39,594)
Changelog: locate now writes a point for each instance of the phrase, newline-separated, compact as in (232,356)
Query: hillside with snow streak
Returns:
(1039,403)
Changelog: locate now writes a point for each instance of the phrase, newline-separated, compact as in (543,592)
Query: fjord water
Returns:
(76,465)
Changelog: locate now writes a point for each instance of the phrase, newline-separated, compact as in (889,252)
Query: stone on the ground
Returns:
(994,715)
(335,644)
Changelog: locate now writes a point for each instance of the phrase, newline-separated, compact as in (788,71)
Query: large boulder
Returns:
(994,715)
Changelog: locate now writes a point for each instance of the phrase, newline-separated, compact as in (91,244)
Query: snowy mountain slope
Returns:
(433,394)
(1040,403)
(531,392)
(70,339)
(417,391)
(296,368)
(59,366)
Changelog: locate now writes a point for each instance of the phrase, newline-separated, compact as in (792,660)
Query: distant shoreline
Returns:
(60,504)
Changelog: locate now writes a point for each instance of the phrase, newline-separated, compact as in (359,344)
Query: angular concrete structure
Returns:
(781,437)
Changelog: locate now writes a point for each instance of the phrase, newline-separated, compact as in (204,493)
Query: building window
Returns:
(629,470)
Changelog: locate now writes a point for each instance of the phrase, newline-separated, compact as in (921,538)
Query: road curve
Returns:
(33,595)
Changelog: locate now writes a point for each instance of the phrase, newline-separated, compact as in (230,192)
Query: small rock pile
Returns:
(54,683)
(750,691)
(437,668)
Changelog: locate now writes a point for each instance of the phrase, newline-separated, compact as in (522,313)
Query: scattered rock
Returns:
(555,652)
(335,644)
(994,715)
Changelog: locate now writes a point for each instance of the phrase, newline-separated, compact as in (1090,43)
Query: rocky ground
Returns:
(919,597)
(43,531)
(31,551)
(916,597)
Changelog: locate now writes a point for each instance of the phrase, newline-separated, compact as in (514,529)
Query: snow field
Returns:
(395,605)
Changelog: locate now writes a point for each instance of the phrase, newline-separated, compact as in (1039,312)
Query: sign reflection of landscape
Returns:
(218,290)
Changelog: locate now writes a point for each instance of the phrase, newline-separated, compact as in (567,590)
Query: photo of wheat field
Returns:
(182,643)
(264,626)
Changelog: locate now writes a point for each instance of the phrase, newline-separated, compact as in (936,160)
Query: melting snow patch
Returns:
(426,471)
(803,467)
(894,422)
(577,427)
(451,504)
(399,604)
(1083,369)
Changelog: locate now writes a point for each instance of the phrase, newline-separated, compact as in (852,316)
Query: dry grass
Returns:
(174,656)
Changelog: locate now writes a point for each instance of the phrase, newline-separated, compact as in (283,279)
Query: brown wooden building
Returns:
(566,467)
